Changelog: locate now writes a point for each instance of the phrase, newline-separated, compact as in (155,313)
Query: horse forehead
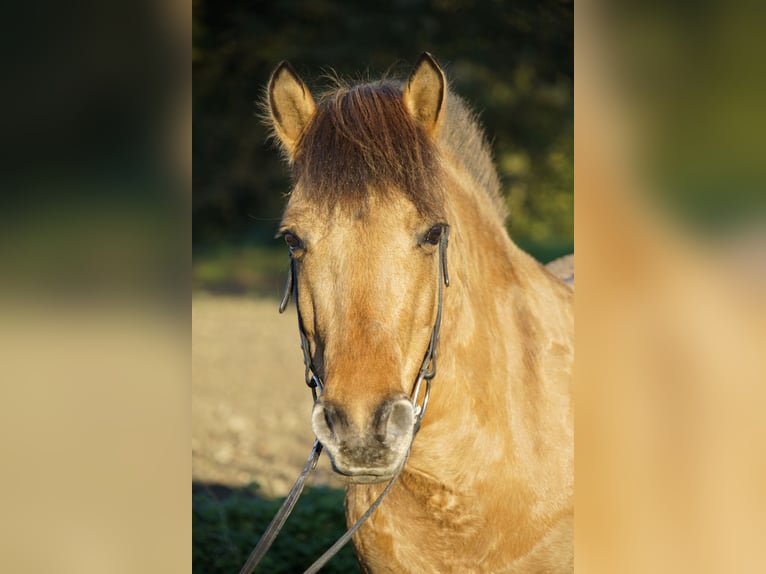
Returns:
(366,246)
(376,216)
(359,256)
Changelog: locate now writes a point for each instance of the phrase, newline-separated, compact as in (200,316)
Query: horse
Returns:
(396,229)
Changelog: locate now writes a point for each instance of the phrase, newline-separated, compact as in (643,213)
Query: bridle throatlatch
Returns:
(313,380)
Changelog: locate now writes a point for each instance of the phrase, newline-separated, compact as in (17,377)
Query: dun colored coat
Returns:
(381,171)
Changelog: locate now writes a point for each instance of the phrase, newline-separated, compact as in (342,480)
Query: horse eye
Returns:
(433,235)
(293,242)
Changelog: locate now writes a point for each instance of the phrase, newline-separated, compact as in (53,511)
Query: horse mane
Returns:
(362,140)
(463,135)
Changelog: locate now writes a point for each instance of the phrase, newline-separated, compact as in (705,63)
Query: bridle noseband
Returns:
(426,373)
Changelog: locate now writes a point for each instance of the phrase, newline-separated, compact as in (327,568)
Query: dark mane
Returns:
(463,136)
(362,141)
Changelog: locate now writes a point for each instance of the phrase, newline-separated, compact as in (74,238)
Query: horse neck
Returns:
(498,288)
(505,347)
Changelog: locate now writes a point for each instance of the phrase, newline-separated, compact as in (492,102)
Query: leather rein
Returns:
(314,382)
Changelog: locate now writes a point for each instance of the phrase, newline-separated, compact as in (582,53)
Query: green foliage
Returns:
(512,61)
(226,528)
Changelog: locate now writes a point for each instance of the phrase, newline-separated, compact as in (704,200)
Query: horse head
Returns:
(366,229)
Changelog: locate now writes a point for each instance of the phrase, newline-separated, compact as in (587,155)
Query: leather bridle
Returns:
(313,380)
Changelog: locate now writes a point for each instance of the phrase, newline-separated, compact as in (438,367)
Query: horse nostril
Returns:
(328,421)
(396,419)
(402,417)
(321,423)
(392,423)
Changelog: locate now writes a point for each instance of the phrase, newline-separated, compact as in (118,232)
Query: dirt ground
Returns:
(250,406)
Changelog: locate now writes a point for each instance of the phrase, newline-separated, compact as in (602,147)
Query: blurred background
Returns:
(511,61)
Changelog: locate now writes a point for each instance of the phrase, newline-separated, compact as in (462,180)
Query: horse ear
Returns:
(425,92)
(291,105)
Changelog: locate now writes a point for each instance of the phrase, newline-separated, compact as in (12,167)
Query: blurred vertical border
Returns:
(95,174)
(671,287)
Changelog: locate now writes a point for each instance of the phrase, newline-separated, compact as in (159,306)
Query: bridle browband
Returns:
(426,373)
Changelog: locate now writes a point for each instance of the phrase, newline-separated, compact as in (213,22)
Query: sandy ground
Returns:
(250,405)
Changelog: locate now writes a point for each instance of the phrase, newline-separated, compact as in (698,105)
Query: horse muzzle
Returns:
(366,451)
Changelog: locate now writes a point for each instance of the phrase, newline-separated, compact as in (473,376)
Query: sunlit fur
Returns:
(488,486)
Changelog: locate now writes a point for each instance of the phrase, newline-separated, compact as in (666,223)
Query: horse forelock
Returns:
(362,141)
